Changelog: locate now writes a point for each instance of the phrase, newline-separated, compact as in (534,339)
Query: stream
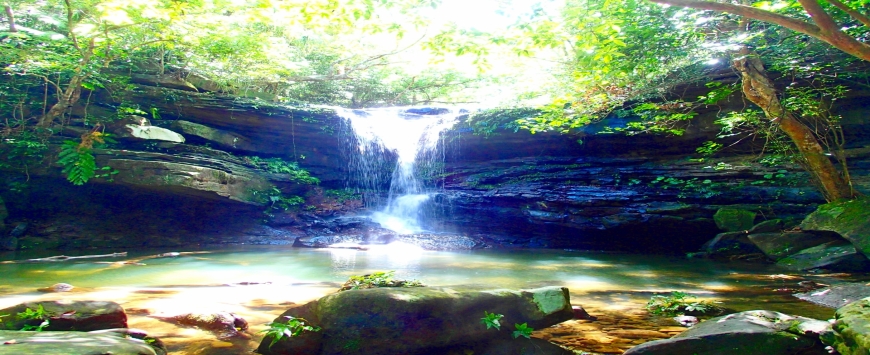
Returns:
(260,282)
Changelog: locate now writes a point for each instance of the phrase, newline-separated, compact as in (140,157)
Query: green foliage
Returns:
(343,195)
(78,163)
(679,303)
(688,187)
(77,159)
(38,314)
(293,327)
(377,279)
(21,149)
(491,320)
(280,166)
(522,330)
(487,122)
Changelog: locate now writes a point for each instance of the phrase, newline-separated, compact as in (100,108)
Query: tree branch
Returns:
(750,12)
(825,29)
(852,12)
(11,18)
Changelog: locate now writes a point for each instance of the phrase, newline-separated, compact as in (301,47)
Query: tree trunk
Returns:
(10,17)
(65,100)
(759,89)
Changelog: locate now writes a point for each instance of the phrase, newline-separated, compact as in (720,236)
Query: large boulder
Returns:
(65,315)
(778,245)
(187,174)
(833,256)
(852,328)
(120,342)
(851,219)
(733,220)
(745,333)
(415,320)
(729,244)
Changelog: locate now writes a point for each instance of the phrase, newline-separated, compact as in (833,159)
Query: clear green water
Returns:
(260,282)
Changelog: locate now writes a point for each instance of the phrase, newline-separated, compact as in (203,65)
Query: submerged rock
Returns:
(525,347)
(414,320)
(750,332)
(836,296)
(58,287)
(224,324)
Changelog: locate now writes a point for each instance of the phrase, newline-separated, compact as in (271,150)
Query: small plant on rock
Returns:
(377,279)
(522,330)
(679,303)
(491,320)
(38,314)
(293,327)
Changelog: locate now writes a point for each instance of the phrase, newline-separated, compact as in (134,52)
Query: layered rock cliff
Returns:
(613,192)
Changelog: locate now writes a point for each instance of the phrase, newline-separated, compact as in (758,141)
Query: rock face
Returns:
(750,332)
(510,189)
(852,328)
(63,315)
(73,343)
(416,320)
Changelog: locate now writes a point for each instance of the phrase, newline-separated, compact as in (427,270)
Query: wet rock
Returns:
(524,347)
(441,241)
(850,219)
(8,242)
(833,256)
(769,226)
(58,287)
(733,220)
(750,332)
(836,296)
(77,343)
(423,318)
(326,241)
(223,324)
(580,313)
(69,315)
(778,245)
(852,329)
(730,243)
(687,321)
(19,230)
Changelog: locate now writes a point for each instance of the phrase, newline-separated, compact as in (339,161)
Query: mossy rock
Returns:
(733,220)
(851,219)
(834,256)
(852,329)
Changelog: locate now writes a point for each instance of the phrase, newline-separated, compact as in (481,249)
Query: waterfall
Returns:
(392,148)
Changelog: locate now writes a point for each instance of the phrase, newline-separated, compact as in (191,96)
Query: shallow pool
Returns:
(260,282)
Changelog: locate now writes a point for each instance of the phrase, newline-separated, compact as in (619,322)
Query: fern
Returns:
(78,162)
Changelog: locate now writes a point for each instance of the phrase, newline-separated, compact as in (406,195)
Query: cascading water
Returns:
(412,140)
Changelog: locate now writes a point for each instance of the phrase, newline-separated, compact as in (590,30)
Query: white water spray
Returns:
(413,140)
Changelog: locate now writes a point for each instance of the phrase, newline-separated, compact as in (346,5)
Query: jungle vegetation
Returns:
(573,61)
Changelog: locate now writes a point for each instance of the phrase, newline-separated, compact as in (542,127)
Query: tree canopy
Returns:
(578,61)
